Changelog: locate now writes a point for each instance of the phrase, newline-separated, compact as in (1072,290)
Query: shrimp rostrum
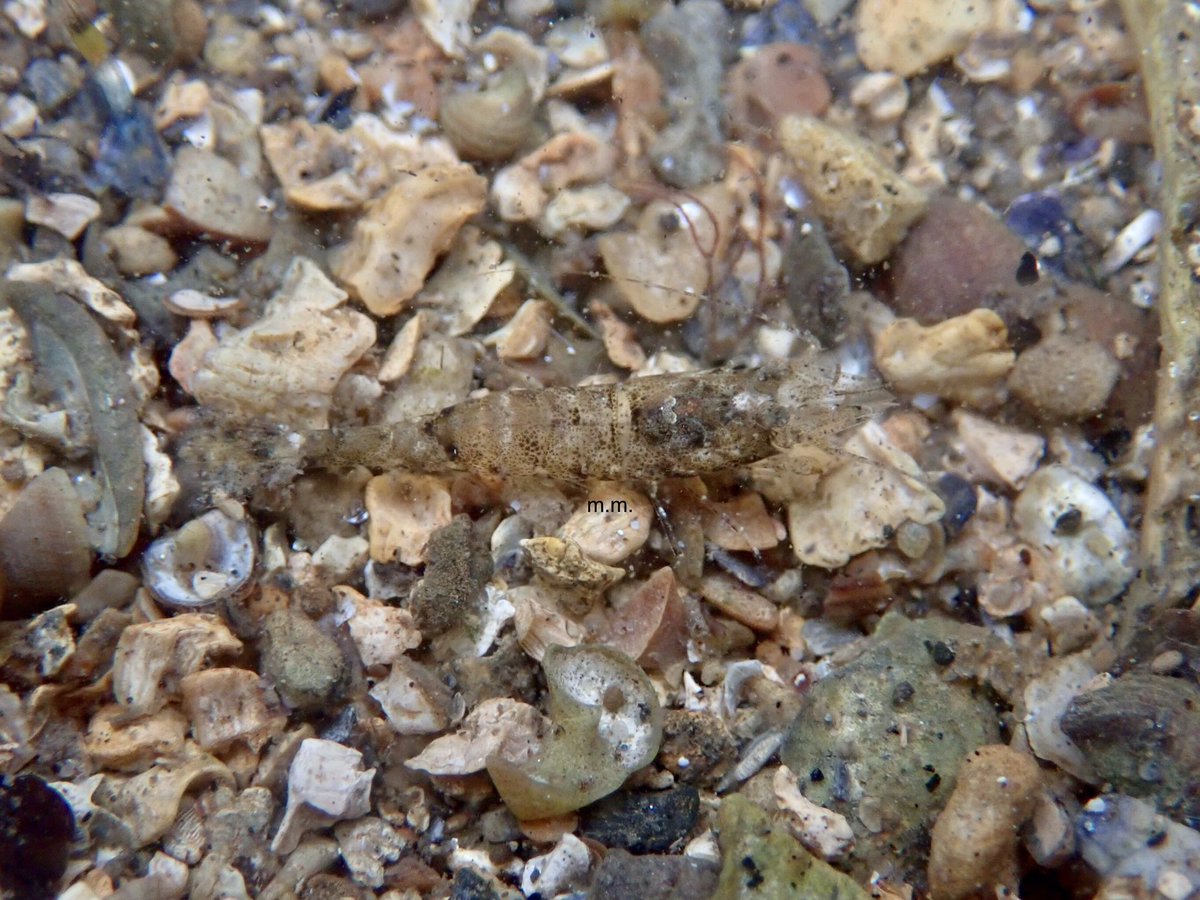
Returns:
(649,428)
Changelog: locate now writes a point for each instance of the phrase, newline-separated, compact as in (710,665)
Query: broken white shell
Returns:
(326,783)
(209,559)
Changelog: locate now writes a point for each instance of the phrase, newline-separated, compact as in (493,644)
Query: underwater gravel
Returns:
(898,261)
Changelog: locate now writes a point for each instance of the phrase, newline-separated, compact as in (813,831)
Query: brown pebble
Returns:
(974,841)
(739,603)
(777,80)
(1166,662)
(957,258)
(1064,377)
(1111,321)
(45,553)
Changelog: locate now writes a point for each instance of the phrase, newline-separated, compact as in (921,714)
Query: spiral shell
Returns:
(493,123)
(210,559)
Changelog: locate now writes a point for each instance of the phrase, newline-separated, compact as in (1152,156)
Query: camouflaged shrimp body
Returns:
(660,426)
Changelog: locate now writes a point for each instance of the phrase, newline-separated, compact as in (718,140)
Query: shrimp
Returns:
(651,428)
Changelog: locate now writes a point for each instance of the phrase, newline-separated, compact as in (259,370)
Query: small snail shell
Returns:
(493,123)
(207,560)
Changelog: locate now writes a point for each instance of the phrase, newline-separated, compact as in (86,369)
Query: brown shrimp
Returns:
(651,428)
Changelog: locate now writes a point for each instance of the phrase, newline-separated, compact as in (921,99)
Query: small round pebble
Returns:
(305,664)
(1065,377)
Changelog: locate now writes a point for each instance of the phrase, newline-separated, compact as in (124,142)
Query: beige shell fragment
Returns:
(619,337)
(285,366)
(497,725)
(399,356)
(440,374)
(515,47)
(228,705)
(866,206)
(116,742)
(857,507)
(741,523)
(15,732)
(564,563)
(521,191)
(821,830)
(523,336)
(190,353)
(400,237)
(324,169)
(381,633)
(413,699)
(326,784)
(539,626)
(68,214)
(611,524)
(448,23)
(152,657)
(663,267)
(593,207)
(198,305)
(181,100)
(995,452)
(467,283)
(738,602)
(1046,700)
(651,626)
(367,845)
(149,801)
(208,197)
(965,359)
(69,277)
(404,510)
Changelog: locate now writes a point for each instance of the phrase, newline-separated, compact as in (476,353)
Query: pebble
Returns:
(959,257)
(975,838)
(36,832)
(209,197)
(305,664)
(557,871)
(18,116)
(232,48)
(1072,626)
(45,552)
(1074,524)
(868,749)
(1065,377)
(1141,733)
(1123,838)
(137,252)
(697,745)
(866,206)
(68,214)
(739,603)
(906,36)
(652,877)
(642,822)
(762,859)
(774,81)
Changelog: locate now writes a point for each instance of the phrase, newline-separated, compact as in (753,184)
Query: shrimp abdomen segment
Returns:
(654,427)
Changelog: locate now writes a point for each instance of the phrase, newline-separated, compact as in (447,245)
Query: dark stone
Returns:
(643,822)
(959,496)
(36,830)
(470,885)
(1141,733)
(458,568)
(622,874)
